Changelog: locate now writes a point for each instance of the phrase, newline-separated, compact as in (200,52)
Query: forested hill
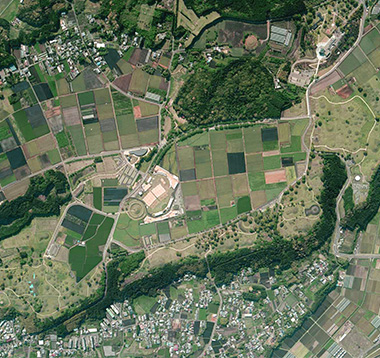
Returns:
(254,10)
(243,90)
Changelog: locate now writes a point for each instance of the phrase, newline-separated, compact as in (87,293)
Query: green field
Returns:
(139,81)
(97,198)
(68,101)
(102,96)
(83,259)
(76,133)
(127,231)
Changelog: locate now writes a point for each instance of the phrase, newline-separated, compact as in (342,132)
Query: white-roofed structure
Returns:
(280,35)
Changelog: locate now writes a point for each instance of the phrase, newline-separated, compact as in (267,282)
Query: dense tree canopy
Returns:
(6,59)
(361,215)
(44,197)
(255,10)
(242,90)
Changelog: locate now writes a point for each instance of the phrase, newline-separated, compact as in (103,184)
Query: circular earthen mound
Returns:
(251,42)
(136,209)
(313,210)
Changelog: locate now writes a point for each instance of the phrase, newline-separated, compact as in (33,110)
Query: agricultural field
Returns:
(369,241)
(27,146)
(80,240)
(346,322)
(229,172)
(151,85)
(108,198)
(137,121)
(363,62)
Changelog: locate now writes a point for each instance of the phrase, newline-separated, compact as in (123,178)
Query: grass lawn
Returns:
(299,126)
(273,190)
(144,304)
(83,259)
(127,231)
(147,229)
(178,232)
